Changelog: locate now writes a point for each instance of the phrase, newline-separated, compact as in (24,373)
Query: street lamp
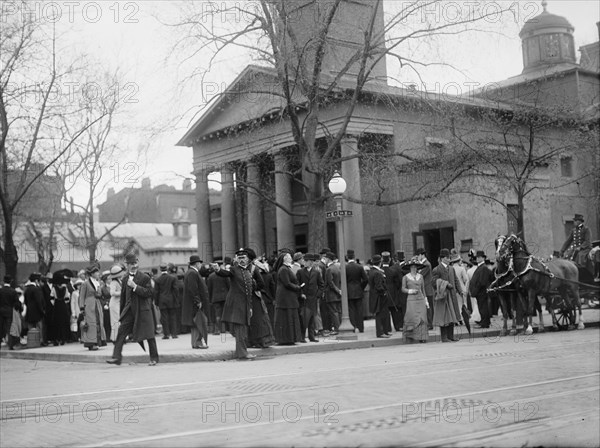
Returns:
(337,186)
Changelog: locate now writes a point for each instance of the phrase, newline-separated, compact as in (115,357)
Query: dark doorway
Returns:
(433,240)
(382,244)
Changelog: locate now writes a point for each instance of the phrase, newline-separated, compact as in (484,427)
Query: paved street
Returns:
(512,391)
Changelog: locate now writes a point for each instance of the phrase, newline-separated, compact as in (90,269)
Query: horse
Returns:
(537,278)
(510,291)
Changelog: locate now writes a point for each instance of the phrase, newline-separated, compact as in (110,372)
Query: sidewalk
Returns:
(221,348)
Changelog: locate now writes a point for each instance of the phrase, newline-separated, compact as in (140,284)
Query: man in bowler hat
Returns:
(446,313)
(195,304)
(357,281)
(137,314)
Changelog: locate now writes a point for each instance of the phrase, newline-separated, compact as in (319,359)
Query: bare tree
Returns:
(34,107)
(298,50)
(526,148)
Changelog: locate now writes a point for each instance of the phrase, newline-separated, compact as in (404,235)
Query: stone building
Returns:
(247,137)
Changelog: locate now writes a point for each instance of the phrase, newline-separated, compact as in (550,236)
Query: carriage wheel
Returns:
(564,318)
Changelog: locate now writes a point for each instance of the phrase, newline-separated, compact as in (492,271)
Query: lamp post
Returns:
(337,186)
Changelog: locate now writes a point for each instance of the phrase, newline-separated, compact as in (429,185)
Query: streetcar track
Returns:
(120,392)
(254,425)
(509,429)
(110,400)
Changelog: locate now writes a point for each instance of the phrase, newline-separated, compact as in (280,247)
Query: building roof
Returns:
(544,21)
(220,120)
(590,57)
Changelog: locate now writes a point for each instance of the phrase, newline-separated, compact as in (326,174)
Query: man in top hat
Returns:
(357,281)
(195,304)
(482,279)
(393,278)
(579,243)
(313,285)
(379,298)
(167,300)
(446,313)
(426,273)
(137,314)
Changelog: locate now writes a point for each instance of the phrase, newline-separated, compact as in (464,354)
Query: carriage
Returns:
(563,284)
(589,294)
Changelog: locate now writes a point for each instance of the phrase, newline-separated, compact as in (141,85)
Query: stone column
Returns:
(203,218)
(228,219)
(353,227)
(283,196)
(256,221)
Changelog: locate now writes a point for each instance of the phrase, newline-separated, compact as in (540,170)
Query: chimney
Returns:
(146,185)
(187,185)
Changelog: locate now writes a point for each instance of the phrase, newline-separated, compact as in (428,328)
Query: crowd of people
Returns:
(282,300)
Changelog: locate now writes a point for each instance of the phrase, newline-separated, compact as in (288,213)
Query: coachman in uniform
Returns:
(579,243)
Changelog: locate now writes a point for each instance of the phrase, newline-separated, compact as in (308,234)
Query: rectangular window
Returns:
(566,167)
(466,245)
(180,213)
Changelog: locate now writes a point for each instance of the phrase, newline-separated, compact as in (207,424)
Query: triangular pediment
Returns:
(254,94)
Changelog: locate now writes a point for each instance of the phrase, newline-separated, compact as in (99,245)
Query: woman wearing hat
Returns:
(92,327)
(415,318)
(114,306)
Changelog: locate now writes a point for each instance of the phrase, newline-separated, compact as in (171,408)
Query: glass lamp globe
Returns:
(337,184)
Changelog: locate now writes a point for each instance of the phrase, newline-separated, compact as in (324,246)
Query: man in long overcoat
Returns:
(310,276)
(333,292)
(379,298)
(218,287)
(481,280)
(195,303)
(393,278)
(238,304)
(137,314)
(446,313)
(167,300)
(357,281)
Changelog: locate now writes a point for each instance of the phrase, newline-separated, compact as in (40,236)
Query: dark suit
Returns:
(137,315)
(379,301)
(8,302)
(426,273)
(482,279)
(333,294)
(167,300)
(357,281)
(313,290)
(218,287)
(194,308)
(393,276)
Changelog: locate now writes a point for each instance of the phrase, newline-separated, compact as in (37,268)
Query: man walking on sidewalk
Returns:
(137,315)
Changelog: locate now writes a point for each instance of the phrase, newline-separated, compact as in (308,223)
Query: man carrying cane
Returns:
(137,315)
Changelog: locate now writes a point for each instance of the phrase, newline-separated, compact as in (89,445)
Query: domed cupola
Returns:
(547,39)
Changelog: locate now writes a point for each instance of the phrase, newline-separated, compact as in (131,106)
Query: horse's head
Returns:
(507,246)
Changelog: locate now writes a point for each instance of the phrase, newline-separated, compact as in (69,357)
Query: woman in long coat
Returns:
(415,318)
(260,333)
(287,321)
(92,327)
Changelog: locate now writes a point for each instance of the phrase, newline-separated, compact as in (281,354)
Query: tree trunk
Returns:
(520,215)
(9,255)
(317,230)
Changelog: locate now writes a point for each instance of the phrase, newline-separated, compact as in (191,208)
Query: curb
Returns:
(227,355)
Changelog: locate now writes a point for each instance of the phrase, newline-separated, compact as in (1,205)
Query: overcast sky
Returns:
(129,36)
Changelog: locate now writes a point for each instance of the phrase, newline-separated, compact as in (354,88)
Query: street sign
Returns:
(338,214)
